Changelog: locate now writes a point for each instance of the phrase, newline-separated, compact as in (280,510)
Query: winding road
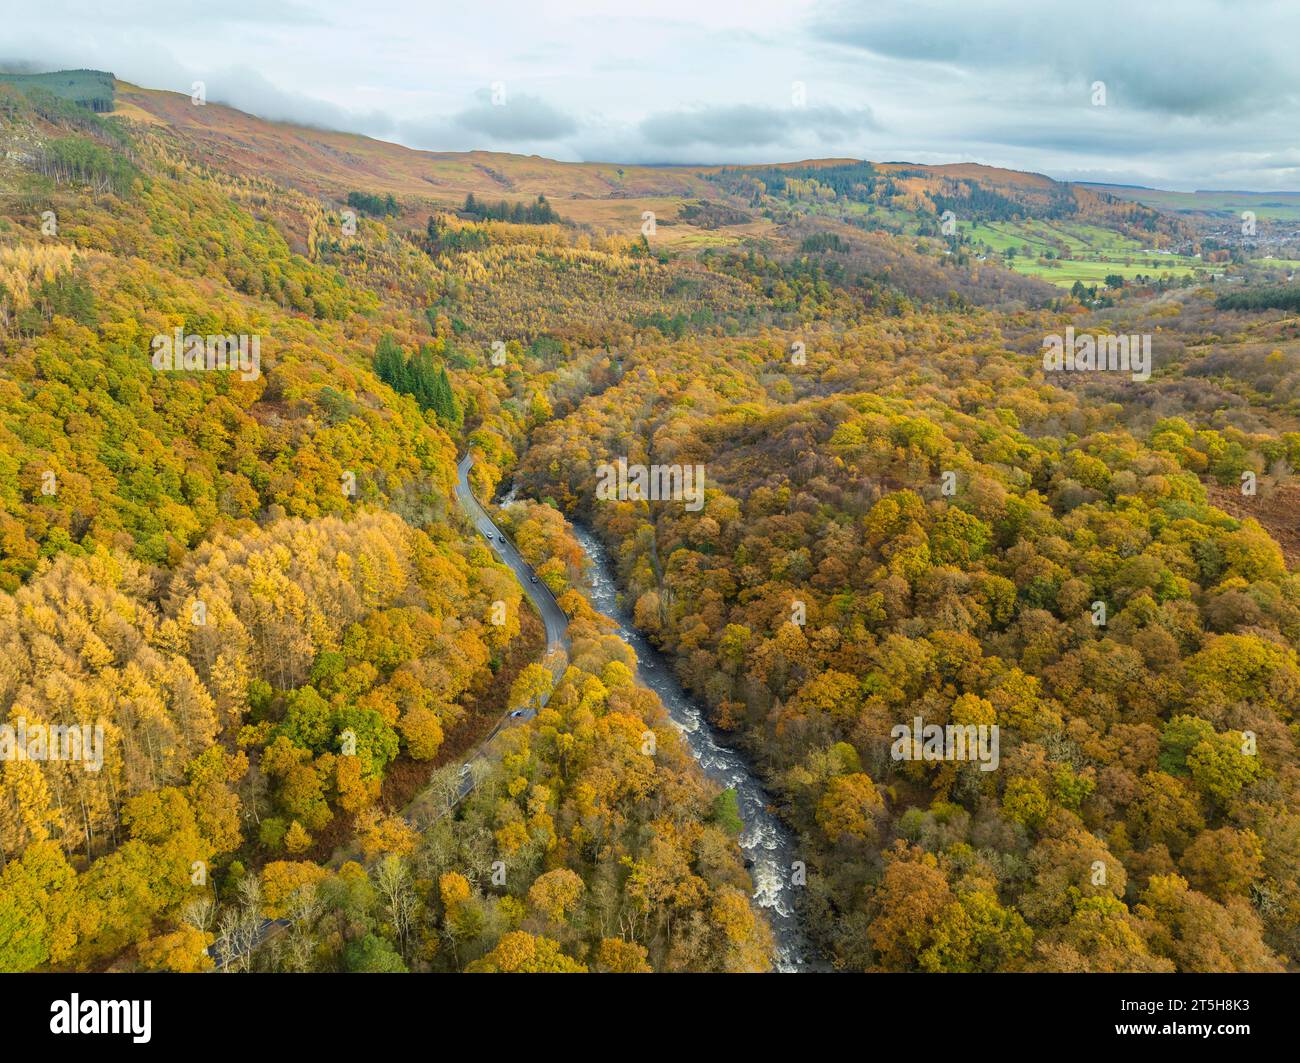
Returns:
(554,620)
(768,844)
(556,624)
(552,615)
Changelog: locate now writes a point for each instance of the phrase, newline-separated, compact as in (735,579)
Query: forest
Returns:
(303,656)
(830,589)
(262,594)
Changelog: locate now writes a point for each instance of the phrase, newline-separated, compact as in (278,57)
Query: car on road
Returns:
(532,579)
(517,713)
(501,538)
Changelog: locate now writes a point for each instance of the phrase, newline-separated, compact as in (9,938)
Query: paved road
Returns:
(553,617)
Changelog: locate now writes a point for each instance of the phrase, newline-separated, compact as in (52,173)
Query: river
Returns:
(766,841)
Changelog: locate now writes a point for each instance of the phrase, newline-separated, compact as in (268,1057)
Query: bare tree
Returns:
(393,880)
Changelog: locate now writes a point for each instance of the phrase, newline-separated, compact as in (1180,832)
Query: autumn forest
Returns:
(274,697)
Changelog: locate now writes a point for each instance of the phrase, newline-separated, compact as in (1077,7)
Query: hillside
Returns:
(249,583)
(330,164)
(93,89)
(695,207)
(236,380)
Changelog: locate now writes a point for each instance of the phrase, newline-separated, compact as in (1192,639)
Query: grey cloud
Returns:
(1201,93)
(519,118)
(750,125)
(25,66)
(247,90)
(1208,58)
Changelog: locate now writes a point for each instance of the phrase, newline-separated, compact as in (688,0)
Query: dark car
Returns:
(501,538)
(517,713)
(532,579)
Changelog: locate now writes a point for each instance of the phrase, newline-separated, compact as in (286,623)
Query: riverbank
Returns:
(769,845)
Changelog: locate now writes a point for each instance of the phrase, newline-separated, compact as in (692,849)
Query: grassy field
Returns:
(1066,271)
(1075,239)
(1082,252)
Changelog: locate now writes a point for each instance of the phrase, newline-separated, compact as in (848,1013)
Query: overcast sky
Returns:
(1198,93)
